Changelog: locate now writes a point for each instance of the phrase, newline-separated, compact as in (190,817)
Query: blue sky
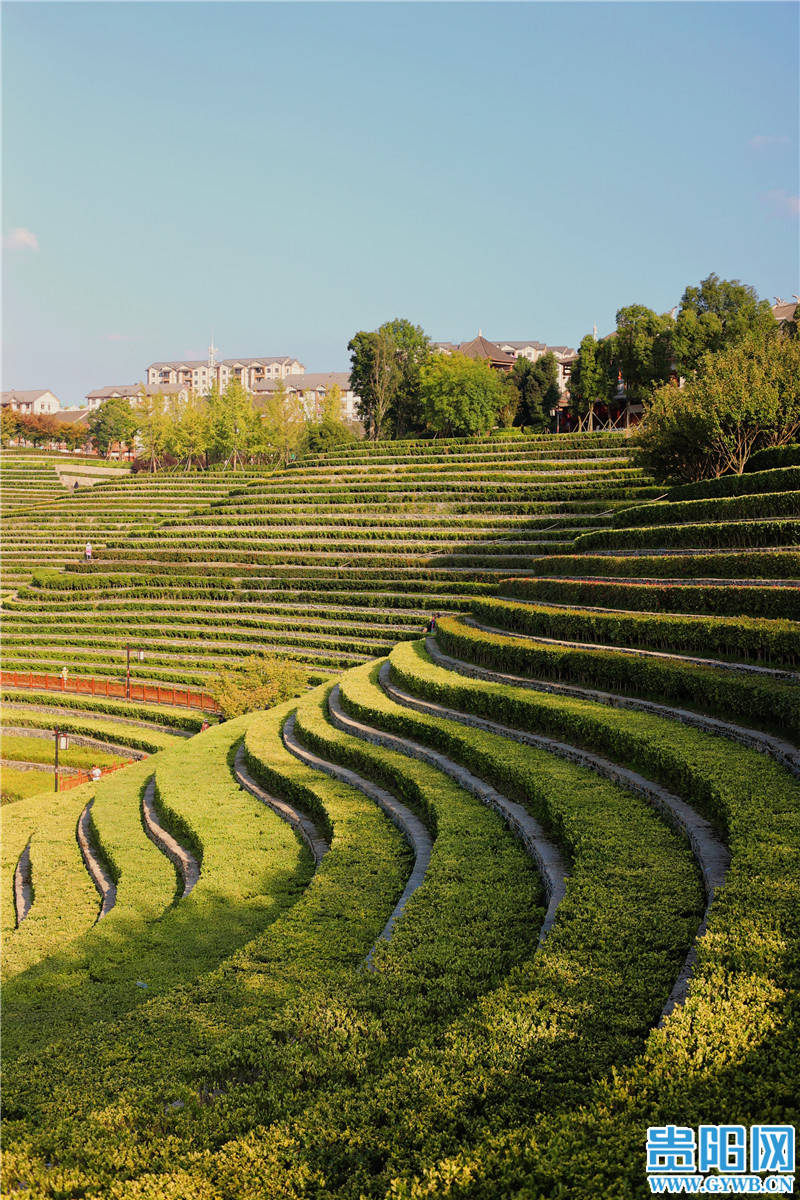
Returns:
(285,174)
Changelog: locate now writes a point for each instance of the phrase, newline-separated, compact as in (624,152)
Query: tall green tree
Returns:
(717,313)
(282,425)
(375,377)
(155,428)
(234,426)
(412,349)
(537,384)
(642,349)
(114,421)
(460,396)
(591,380)
(189,432)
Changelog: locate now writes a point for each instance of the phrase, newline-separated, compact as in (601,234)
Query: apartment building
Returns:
(201,376)
(134,393)
(33,403)
(312,388)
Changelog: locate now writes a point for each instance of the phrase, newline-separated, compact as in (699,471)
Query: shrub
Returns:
(262,681)
(775,456)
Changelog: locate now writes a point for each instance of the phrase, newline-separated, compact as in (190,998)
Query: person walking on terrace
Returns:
(87,554)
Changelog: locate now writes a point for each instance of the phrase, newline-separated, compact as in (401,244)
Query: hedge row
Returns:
(777,480)
(181,548)
(776,456)
(724,601)
(154,714)
(367,449)
(734,533)
(769,564)
(253,870)
(731,508)
(731,1049)
(772,642)
(749,699)
(346,1083)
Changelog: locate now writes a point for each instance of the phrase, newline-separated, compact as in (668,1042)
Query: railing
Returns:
(143,692)
(66,782)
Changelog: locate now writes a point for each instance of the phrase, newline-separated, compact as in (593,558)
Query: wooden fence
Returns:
(145,693)
(65,782)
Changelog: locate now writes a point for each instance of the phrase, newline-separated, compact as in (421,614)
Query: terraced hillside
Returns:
(587,779)
(330,562)
(29,478)
(103,733)
(464,924)
(51,529)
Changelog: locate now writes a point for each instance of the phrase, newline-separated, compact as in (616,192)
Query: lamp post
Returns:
(62,743)
(139,655)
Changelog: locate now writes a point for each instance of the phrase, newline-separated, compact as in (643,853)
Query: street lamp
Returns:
(62,743)
(139,656)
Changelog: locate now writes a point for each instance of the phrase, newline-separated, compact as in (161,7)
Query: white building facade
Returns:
(565,356)
(32,403)
(312,389)
(200,377)
(135,393)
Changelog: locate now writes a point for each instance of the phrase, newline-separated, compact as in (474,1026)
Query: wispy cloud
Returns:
(786,204)
(762,140)
(20,239)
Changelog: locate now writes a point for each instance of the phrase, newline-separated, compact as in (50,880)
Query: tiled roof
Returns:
(26,397)
(258,362)
(481,347)
(129,390)
(784,310)
(310,382)
(183,364)
(522,345)
(74,416)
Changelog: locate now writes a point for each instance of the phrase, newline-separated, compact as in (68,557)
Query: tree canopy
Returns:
(591,380)
(114,421)
(716,313)
(459,395)
(385,367)
(537,385)
(742,399)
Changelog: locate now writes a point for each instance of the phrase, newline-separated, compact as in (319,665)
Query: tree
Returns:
(537,384)
(590,381)
(375,376)
(114,421)
(459,395)
(234,424)
(262,681)
(282,423)
(9,424)
(330,430)
(190,431)
(509,406)
(155,427)
(412,349)
(642,349)
(742,399)
(717,313)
